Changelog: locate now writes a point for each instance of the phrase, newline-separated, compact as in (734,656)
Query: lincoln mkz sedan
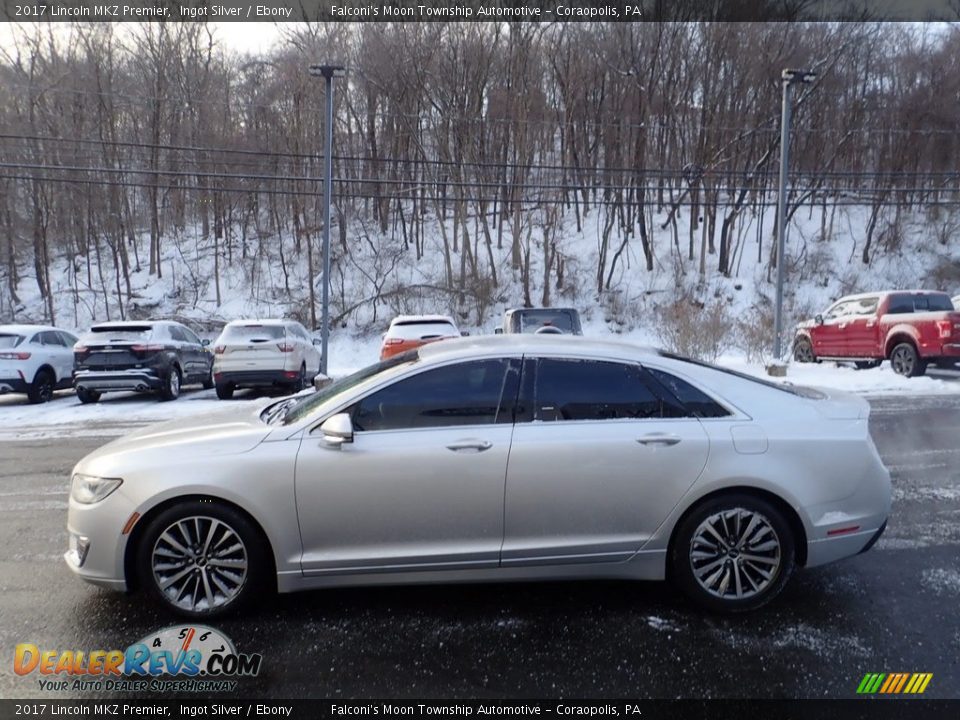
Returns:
(488,459)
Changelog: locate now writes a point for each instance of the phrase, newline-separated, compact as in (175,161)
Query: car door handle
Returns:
(658,439)
(478,445)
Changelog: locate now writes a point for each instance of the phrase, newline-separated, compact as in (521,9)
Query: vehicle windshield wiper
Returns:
(279,410)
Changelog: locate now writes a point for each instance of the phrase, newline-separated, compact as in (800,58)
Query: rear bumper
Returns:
(106,380)
(820,552)
(13,384)
(255,378)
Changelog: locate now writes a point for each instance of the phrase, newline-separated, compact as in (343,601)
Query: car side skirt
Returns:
(649,565)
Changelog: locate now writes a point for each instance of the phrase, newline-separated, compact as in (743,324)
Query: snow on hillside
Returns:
(266,284)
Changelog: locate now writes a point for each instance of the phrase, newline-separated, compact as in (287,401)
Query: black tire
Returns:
(171,384)
(87,396)
(301,383)
(803,350)
(215,582)
(905,360)
(225,390)
(705,574)
(41,389)
(208,380)
(867,364)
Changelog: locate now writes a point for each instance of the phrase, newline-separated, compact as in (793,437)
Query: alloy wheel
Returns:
(735,554)
(199,563)
(902,361)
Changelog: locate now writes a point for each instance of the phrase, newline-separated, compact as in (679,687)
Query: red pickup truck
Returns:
(911,328)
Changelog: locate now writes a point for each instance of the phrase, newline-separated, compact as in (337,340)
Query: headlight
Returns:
(88,489)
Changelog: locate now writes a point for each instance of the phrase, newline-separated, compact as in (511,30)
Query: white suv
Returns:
(264,353)
(36,360)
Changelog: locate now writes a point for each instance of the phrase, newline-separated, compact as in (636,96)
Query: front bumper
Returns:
(13,384)
(141,379)
(101,528)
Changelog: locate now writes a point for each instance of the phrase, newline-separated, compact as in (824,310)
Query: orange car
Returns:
(407,332)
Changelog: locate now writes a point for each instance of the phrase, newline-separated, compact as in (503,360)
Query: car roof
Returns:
(540,309)
(883,293)
(422,318)
(534,344)
(25,329)
(120,324)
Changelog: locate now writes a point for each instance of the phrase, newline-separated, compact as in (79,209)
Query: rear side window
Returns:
(900,305)
(51,337)
(466,393)
(696,401)
(594,390)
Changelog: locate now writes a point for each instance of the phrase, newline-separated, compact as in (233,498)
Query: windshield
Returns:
(253,332)
(124,333)
(10,341)
(306,405)
(533,320)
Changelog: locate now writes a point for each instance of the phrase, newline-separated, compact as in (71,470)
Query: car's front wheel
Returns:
(202,559)
(171,386)
(733,553)
(803,350)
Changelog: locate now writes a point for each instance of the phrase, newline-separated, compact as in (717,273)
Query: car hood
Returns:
(222,432)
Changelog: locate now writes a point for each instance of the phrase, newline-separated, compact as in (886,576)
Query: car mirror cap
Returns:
(337,430)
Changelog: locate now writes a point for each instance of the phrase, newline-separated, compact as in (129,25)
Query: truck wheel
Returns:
(905,361)
(803,351)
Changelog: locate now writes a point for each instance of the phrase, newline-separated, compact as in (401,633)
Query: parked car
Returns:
(533,320)
(407,332)
(150,356)
(911,328)
(264,353)
(623,463)
(35,360)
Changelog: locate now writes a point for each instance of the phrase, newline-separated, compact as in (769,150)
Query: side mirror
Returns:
(320,381)
(337,430)
(318,341)
(818,319)
(205,342)
(498,331)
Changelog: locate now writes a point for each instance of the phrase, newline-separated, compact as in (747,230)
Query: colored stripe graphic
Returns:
(894,683)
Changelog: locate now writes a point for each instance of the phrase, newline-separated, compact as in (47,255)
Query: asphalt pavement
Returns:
(893,609)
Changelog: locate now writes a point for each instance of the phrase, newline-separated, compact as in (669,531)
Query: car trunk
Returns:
(253,343)
(111,348)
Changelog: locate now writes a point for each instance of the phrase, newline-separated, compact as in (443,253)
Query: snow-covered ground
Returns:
(118,413)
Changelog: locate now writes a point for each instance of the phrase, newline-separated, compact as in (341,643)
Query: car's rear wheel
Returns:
(225,390)
(733,553)
(87,396)
(41,389)
(905,360)
(803,350)
(171,385)
(202,559)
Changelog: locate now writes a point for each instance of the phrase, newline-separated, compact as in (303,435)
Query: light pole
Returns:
(328,72)
(789,78)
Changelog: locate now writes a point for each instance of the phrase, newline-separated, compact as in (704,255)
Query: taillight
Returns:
(15,356)
(146,348)
(945,327)
(219,349)
(285,347)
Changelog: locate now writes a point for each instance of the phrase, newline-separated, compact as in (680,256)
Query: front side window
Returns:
(466,393)
(190,336)
(866,306)
(594,390)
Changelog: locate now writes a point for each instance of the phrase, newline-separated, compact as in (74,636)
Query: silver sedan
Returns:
(500,458)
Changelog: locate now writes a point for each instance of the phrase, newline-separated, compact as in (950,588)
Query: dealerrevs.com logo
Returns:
(184,658)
